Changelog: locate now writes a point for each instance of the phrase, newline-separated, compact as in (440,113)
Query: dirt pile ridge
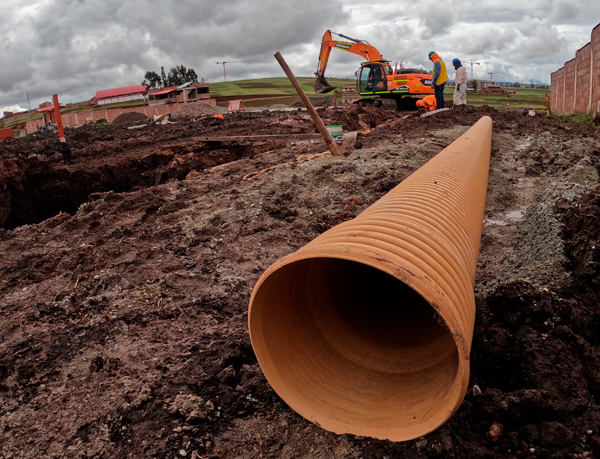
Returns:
(124,330)
(130,118)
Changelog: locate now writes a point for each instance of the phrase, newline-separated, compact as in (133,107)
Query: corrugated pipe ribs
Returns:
(367,329)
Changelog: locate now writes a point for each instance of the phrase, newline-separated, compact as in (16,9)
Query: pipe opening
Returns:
(354,349)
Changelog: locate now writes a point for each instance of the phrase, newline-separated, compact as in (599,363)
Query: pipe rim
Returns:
(417,281)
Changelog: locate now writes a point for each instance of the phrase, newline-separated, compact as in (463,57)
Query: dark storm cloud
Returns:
(76,47)
(81,46)
(583,12)
(436,19)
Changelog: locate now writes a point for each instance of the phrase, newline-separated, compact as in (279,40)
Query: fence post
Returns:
(61,132)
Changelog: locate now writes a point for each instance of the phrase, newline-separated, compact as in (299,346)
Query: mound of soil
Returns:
(324,101)
(126,119)
(194,111)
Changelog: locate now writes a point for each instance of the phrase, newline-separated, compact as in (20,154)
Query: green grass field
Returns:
(535,98)
(281,86)
(525,97)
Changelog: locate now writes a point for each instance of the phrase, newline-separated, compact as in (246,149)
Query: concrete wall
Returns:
(76,119)
(569,90)
(595,68)
(576,86)
(557,94)
(20,116)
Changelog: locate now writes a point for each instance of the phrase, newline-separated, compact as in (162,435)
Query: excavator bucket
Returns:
(321,85)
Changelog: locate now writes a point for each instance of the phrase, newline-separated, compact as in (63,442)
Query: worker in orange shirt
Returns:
(428,103)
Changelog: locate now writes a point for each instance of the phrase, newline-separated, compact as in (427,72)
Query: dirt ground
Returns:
(127,267)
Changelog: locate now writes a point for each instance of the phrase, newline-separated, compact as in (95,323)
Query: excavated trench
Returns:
(33,190)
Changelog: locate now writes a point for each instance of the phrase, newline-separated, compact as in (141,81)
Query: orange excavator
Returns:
(376,76)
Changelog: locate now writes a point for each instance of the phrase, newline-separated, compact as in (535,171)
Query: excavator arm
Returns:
(360,47)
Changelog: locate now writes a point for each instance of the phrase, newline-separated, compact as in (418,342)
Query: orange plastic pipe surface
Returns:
(367,329)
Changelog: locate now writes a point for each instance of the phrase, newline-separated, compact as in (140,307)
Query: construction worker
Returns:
(428,103)
(440,76)
(460,83)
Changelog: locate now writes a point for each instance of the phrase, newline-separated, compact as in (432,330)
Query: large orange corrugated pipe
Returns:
(367,329)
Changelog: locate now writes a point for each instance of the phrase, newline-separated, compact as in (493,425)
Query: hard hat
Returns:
(454,61)
(431,54)
(419,103)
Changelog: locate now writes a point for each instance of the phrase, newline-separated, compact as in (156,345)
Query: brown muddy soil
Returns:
(126,273)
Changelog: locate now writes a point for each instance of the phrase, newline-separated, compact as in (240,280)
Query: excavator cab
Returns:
(373,77)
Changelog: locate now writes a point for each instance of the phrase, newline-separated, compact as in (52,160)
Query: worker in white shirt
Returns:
(460,83)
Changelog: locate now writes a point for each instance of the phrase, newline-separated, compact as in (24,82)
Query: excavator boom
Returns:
(360,47)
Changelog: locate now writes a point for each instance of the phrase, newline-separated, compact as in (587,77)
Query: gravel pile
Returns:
(540,256)
(194,111)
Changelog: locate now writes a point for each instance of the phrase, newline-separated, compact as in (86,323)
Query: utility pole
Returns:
(224,73)
(491,76)
(29,106)
(472,64)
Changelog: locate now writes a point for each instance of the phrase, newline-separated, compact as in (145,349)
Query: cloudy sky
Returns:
(77,47)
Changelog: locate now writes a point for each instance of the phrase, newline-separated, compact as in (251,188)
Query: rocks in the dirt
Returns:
(97,364)
(476,390)
(194,111)
(110,365)
(494,432)
(126,119)
(193,174)
(191,406)
(142,398)
(583,172)
(227,376)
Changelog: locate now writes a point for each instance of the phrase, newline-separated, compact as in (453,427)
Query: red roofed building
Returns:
(188,92)
(48,112)
(125,94)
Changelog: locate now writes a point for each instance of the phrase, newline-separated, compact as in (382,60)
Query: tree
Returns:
(475,85)
(516,84)
(165,81)
(191,76)
(178,75)
(152,80)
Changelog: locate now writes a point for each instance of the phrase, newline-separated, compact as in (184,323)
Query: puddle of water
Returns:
(515,215)
(491,221)
(524,144)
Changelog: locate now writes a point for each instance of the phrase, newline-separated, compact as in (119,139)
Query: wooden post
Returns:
(311,110)
(61,132)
